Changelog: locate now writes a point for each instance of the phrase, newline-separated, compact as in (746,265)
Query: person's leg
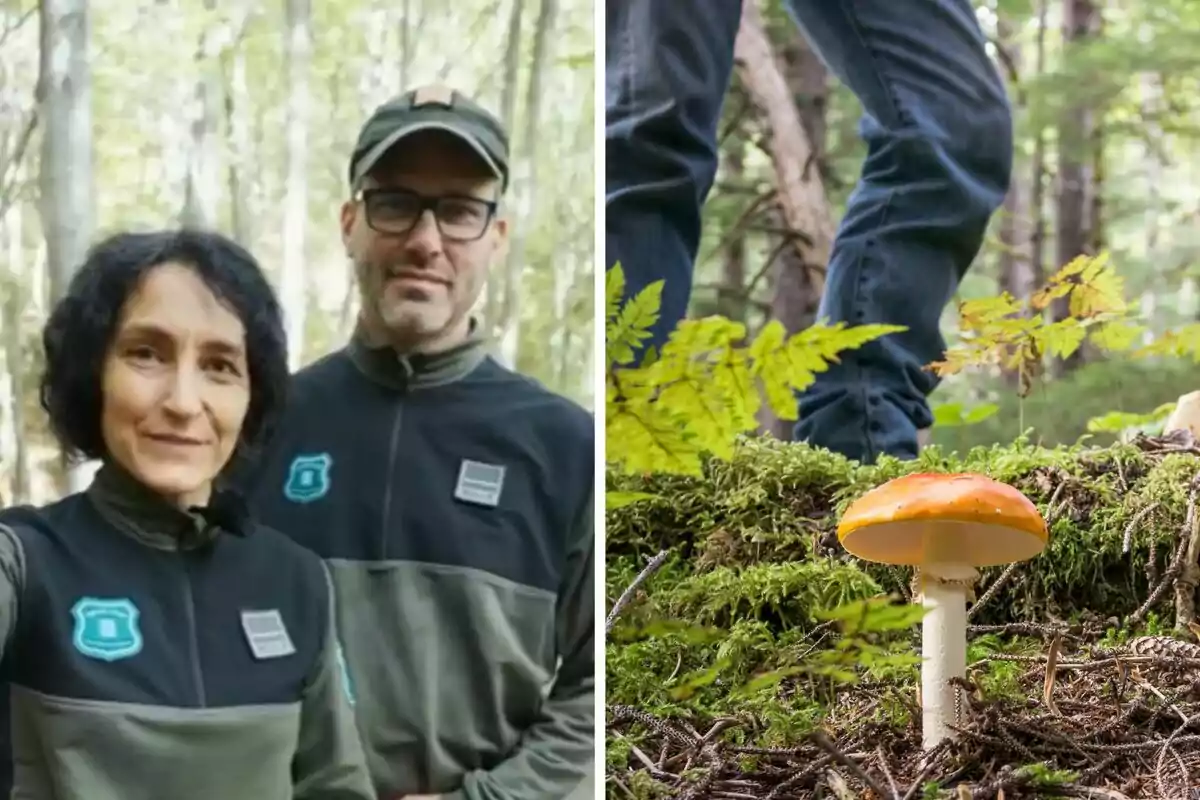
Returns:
(938,130)
(667,68)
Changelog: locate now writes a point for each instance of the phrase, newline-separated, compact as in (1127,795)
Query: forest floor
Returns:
(728,678)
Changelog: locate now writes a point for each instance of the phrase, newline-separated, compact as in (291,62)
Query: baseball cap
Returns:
(430,108)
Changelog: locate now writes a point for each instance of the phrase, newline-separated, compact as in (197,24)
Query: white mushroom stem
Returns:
(1186,416)
(944,590)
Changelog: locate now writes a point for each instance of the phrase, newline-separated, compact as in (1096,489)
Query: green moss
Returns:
(731,625)
(678,673)
(1000,679)
(756,537)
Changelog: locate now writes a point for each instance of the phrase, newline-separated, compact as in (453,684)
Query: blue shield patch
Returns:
(308,478)
(106,629)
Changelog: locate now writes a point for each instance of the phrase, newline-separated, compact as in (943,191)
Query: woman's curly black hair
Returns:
(80,330)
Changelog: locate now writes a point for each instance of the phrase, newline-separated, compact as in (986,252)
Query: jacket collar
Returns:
(405,372)
(151,519)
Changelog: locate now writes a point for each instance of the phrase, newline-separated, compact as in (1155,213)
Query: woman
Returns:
(157,643)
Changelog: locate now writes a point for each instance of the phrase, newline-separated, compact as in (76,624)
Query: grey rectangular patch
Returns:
(479,483)
(266,634)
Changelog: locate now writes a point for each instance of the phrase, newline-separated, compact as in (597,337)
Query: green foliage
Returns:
(863,622)
(147,59)
(1044,776)
(1118,421)
(627,326)
(1017,335)
(754,536)
(703,390)
(743,638)
(1058,412)
(953,415)
(746,664)
(760,617)
(1183,342)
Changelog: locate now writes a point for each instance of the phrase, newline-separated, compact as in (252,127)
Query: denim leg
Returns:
(668,67)
(938,131)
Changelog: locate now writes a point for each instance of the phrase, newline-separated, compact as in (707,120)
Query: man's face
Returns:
(418,287)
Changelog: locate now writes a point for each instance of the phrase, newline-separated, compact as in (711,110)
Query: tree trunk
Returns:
(200,184)
(525,190)
(731,292)
(1014,262)
(1037,182)
(404,62)
(494,307)
(65,96)
(292,280)
(20,121)
(1154,164)
(1075,171)
(797,288)
(570,270)
(237,120)
(15,310)
(793,97)
(801,191)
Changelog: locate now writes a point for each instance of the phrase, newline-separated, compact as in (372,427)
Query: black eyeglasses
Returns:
(397,211)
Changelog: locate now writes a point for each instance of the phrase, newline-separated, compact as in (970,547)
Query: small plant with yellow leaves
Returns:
(1016,335)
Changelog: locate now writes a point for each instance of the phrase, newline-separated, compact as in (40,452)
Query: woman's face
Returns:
(175,385)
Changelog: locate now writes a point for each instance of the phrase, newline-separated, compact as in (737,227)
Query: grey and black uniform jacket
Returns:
(152,656)
(452,501)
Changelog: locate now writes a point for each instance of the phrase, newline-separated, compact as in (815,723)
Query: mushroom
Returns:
(945,525)
(1185,417)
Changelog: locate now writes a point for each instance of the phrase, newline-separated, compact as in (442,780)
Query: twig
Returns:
(991,590)
(627,595)
(1168,703)
(886,772)
(1032,629)
(801,776)
(822,741)
(1121,474)
(622,787)
(1168,577)
(1187,721)
(1127,542)
(1189,575)
(1099,663)
(1051,675)
(919,781)
(837,785)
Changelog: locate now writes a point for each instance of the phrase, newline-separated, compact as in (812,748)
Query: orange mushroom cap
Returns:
(962,518)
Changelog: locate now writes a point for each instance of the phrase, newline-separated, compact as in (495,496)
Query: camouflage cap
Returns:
(430,108)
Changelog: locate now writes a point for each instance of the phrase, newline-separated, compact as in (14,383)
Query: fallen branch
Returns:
(1189,574)
(991,590)
(822,741)
(627,595)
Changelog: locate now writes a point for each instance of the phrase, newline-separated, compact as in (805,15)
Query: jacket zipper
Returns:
(189,605)
(389,477)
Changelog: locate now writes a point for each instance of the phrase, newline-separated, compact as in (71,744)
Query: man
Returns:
(451,497)
(938,131)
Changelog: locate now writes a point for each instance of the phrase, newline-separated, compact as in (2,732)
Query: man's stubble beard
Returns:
(403,324)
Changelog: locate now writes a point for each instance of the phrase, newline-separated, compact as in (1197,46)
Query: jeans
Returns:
(938,131)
